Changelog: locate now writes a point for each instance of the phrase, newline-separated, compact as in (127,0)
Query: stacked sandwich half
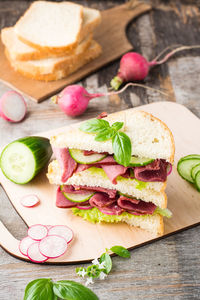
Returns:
(52,40)
(93,181)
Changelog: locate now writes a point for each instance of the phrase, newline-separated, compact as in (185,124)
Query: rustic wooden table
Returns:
(165,269)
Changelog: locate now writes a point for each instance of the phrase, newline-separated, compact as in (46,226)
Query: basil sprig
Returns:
(46,289)
(121,143)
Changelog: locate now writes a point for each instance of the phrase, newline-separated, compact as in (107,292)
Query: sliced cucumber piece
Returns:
(185,166)
(197,181)
(195,170)
(195,156)
(79,157)
(78,197)
(24,158)
(140,161)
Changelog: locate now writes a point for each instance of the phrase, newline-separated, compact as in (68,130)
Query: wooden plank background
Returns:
(167,269)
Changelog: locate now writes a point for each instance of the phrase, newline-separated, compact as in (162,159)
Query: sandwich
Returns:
(114,169)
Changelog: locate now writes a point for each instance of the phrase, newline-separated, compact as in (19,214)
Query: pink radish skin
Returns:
(29,201)
(53,246)
(34,254)
(37,232)
(63,231)
(13,107)
(24,245)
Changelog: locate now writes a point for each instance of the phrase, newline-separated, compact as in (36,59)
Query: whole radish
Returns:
(135,67)
(13,107)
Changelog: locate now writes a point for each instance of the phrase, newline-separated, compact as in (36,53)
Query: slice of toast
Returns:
(53,27)
(21,51)
(52,69)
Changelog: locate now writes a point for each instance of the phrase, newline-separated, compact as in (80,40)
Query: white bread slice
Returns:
(151,192)
(51,26)
(150,137)
(65,69)
(21,51)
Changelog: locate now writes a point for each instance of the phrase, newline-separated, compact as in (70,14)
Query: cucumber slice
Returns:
(78,197)
(197,181)
(195,156)
(24,158)
(195,170)
(79,157)
(185,166)
(140,161)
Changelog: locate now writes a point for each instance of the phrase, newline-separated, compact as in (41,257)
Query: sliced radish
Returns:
(53,246)
(34,253)
(13,107)
(37,232)
(25,244)
(62,231)
(29,200)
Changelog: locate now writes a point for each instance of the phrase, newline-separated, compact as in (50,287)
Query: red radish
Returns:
(29,200)
(37,232)
(53,246)
(34,253)
(62,231)
(134,67)
(13,107)
(84,207)
(24,245)
(169,169)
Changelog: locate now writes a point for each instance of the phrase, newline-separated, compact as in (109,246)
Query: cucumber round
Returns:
(80,158)
(78,197)
(195,156)
(23,159)
(197,181)
(140,161)
(185,166)
(194,171)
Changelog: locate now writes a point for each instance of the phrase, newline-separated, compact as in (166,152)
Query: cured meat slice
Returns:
(101,200)
(156,171)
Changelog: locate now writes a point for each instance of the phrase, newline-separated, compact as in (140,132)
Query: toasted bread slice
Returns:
(21,51)
(58,68)
(53,27)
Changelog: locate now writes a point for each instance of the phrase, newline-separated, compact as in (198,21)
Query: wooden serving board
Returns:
(111,35)
(90,240)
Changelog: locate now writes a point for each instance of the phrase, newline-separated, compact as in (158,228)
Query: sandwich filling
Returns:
(155,171)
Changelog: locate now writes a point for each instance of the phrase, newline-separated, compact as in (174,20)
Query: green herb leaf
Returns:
(105,135)
(71,290)
(39,289)
(105,257)
(117,125)
(121,251)
(122,148)
(94,126)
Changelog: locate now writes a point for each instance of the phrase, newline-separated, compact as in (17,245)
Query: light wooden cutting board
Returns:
(110,35)
(91,240)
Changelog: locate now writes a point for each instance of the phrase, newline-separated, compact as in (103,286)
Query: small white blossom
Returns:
(95,261)
(102,265)
(82,273)
(89,281)
(102,276)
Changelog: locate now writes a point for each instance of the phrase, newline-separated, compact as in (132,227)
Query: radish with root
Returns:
(13,107)
(135,67)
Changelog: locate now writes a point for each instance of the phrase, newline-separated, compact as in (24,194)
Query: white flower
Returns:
(95,261)
(102,265)
(89,281)
(102,276)
(82,273)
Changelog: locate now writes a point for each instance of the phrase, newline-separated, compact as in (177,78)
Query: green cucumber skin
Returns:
(64,194)
(41,150)
(197,181)
(193,172)
(82,162)
(182,160)
(190,156)
(141,164)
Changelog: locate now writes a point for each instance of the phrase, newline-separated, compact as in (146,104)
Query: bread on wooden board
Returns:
(21,51)
(51,26)
(57,69)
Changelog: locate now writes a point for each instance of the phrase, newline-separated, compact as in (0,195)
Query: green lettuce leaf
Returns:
(165,212)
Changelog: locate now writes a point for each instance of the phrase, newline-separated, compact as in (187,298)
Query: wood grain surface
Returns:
(167,269)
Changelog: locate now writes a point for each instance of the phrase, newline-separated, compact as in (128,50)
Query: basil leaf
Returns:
(121,251)
(105,135)
(94,125)
(39,289)
(71,290)
(121,144)
(105,257)
(117,125)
